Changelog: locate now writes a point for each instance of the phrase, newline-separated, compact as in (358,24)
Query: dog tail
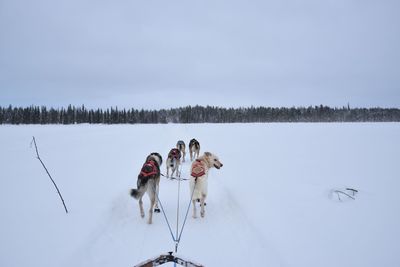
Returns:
(141,188)
(137,193)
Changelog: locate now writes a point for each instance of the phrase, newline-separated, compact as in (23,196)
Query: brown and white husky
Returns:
(182,148)
(194,149)
(173,162)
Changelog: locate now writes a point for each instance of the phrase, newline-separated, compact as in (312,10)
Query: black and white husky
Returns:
(173,162)
(182,148)
(148,181)
(194,149)
(198,179)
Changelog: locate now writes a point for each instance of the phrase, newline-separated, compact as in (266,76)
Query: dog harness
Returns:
(198,169)
(174,153)
(149,168)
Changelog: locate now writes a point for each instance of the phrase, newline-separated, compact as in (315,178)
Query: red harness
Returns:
(149,168)
(198,169)
(174,153)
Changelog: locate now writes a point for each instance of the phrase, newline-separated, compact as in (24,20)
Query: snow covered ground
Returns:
(270,205)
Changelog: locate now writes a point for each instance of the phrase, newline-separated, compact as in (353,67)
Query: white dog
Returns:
(198,179)
(148,181)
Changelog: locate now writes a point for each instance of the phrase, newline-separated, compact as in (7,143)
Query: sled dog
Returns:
(198,179)
(148,181)
(194,149)
(173,162)
(182,148)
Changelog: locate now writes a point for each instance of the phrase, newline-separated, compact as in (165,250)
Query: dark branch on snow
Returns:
(44,166)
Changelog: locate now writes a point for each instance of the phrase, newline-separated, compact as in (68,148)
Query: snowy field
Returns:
(270,205)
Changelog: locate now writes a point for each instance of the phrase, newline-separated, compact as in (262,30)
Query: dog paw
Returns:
(202,214)
(194,216)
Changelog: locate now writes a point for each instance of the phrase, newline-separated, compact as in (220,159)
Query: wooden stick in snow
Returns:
(54,183)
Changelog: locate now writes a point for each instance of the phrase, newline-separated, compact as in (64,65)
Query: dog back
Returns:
(198,169)
(194,144)
(174,153)
(180,145)
(150,170)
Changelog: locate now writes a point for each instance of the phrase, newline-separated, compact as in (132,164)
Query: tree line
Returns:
(193,114)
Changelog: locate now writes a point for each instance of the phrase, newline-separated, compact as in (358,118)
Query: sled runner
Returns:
(160,260)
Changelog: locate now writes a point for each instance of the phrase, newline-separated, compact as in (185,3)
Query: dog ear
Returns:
(208,154)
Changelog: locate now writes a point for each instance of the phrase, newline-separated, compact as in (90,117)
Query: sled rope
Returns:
(187,212)
(177,216)
(166,218)
(44,166)
(174,178)
(177,238)
(178,204)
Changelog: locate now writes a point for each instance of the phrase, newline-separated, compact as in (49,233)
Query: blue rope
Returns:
(184,221)
(177,214)
(187,212)
(166,219)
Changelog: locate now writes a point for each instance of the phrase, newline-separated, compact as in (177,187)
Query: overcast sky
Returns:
(160,54)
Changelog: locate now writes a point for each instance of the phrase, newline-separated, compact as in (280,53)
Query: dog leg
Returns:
(172,172)
(194,209)
(202,211)
(156,208)
(141,207)
(152,202)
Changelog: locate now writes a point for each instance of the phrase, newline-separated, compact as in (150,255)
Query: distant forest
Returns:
(193,114)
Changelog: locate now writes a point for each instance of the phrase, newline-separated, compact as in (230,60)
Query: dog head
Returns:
(212,160)
(156,156)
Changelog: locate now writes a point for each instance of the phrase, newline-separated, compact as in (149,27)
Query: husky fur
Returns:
(149,184)
(173,162)
(198,185)
(182,148)
(194,149)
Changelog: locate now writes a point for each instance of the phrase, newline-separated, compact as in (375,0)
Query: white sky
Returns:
(160,54)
